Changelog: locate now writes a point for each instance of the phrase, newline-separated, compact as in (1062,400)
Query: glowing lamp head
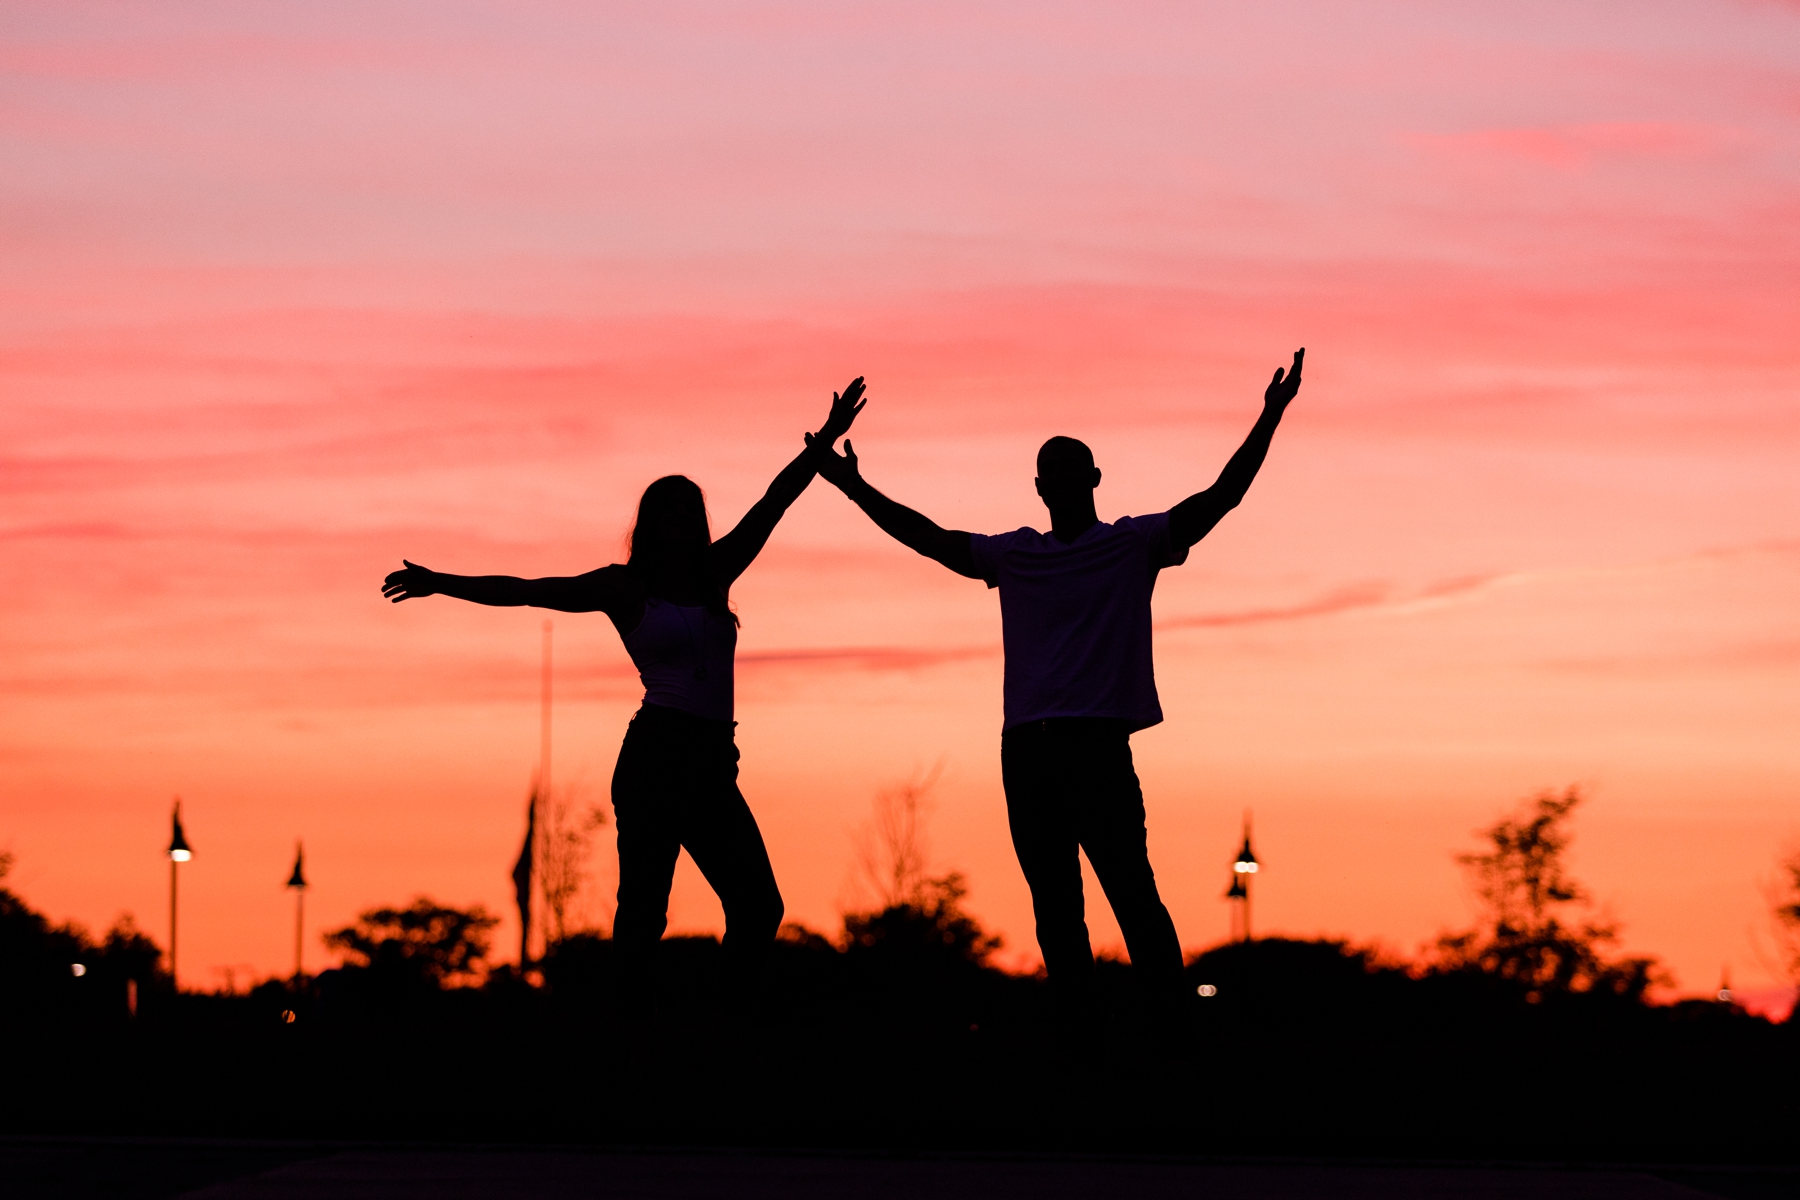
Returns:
(179,850)
(1246,861)
(78,969)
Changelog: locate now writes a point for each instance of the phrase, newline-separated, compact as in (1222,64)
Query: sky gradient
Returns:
(290,291)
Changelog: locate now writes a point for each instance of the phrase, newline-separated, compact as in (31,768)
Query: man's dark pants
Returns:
(1070,783)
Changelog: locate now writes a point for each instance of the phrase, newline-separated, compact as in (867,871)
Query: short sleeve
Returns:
(987,550)
(1161,547)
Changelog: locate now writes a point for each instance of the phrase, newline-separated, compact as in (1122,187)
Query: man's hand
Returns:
(843,411)
(409,583)
(1281,390)
(839,469)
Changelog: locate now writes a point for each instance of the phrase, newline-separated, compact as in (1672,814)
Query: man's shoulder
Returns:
(1022,538)
(1147,523)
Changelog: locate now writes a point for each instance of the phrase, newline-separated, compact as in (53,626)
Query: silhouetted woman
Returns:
(676,780)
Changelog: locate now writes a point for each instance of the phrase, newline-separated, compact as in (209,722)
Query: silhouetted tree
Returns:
(1785,897)
(1530,935)
(38,960)
(892,851)
(920,946)
(427,944)
(564,845)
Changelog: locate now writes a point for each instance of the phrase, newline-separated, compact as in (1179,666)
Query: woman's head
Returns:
(671,541)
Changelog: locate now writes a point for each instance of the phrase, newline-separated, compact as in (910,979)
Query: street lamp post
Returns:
(1237,894)
(179,852)
(1242,870)
(297,881)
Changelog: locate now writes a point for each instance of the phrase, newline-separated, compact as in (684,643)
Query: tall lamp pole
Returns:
(1239,895)
(179,852)
(297,881)
(1242,870)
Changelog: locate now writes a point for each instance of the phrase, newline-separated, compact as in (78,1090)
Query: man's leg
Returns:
(1112,831)
(1039,808)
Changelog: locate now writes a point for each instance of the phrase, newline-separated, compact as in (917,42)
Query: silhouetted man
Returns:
(1075,614)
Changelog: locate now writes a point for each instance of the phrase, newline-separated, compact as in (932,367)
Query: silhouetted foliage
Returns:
(892,852)
(427,944)
(1296,984)
(931,931)
(60,969)
(1785,906)
(564,845)
(1529,938)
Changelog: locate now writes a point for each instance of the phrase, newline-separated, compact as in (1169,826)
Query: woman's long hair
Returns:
(657,559)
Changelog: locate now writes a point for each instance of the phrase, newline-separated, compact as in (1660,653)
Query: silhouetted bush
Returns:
(60,970)
(394,953)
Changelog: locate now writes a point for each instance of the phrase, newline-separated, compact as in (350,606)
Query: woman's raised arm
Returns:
(734,552)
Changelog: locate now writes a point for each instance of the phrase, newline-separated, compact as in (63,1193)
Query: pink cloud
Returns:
(1578,145)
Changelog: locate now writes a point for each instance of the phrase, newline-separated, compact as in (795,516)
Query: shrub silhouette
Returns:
(427,945)
(38,960)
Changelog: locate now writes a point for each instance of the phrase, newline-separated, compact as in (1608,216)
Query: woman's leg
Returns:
(722,838)
(645,787)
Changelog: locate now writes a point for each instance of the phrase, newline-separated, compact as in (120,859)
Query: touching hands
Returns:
(1282,390)
(843,411)
(839,469)
(409,583)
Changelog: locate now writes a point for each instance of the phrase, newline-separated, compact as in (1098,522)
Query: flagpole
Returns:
(544,749)
(543,788)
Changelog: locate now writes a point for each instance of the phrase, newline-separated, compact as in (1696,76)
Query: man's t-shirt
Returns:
(1075,619)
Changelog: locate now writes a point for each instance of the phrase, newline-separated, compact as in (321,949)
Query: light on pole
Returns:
(179,852)
(1242,869)
(297,881)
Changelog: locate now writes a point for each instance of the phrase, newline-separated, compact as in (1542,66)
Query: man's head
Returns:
(1066,474)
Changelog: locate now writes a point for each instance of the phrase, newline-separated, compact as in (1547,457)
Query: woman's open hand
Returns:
(843,411)
(409,583)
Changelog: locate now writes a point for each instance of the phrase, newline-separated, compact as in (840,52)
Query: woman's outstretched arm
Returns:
(604,590)
(734,552)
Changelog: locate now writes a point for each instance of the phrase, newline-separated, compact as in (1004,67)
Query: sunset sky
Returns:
(289,291)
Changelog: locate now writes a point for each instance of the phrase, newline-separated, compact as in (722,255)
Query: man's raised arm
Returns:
(1194,517)
(914,529)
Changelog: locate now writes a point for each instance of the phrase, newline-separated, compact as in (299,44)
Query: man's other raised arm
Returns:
(904,525)
(1194,517)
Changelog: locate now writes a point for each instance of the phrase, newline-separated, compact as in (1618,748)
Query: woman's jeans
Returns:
(675,786)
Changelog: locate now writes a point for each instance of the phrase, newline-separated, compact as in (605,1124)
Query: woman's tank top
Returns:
(684,656)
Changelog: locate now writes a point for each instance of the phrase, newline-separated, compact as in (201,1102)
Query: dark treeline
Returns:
(1521,1038)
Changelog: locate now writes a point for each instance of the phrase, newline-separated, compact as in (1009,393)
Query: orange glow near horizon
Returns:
(292,292)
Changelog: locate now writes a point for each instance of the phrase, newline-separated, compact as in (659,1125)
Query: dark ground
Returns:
(1311,1072)
(150,1169)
